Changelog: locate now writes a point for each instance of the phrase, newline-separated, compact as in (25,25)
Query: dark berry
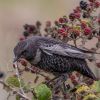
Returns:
(68,86)
(38,24)
(56,23)
(73,36)
(61,20)
(26,26)
(1,74)
(31,29)
(83,5)
(26,34)
(72,16)
(85,15)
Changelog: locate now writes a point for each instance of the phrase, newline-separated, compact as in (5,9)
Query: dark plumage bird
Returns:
(53,56)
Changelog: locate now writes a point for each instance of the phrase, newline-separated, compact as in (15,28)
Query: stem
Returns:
(75,42)
(18,76)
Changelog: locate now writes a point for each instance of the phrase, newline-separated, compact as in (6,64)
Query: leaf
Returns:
(13,81)
(96,86)
(17,97)
(43,92)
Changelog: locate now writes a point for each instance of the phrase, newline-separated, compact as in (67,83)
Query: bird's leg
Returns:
(52,80)
(60,82)
(59,85)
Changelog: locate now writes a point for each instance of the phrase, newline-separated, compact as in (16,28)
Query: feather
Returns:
(63,51)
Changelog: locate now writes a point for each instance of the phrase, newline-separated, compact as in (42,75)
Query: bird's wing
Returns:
(62,50)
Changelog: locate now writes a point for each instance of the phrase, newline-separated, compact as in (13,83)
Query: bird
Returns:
(54,56)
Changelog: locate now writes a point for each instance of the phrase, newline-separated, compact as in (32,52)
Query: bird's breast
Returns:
(37,57)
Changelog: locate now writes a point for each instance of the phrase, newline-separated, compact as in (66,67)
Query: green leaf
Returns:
(96,86)
(43,92)
(13,81)
(17,97)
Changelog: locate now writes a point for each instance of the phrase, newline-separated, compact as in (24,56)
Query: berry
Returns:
(56,23)
(83,5)
(22,38)
(25,34)
(77,32)
(87,31)
(68,86)
(77,15)
(65,19)
(97,4)
(1,74)
(26,26)
(31,29)
(61,30)
(38,23)
(72,17)
(83,25)
(64,34)
(73,36)
(64,26)
(61,20)
(23,62)
(85,15)
(78,9)
(94,32)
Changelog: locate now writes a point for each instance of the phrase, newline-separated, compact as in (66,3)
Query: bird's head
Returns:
(24,49)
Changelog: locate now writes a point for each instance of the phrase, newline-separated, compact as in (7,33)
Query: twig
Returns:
(36,72)
(18,76)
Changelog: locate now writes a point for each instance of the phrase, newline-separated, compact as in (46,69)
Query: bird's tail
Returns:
(85,70)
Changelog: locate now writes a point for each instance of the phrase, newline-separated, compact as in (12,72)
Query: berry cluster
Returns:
(30,30)
(81,21)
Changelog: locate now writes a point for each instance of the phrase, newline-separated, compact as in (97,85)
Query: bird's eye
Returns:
(23,53)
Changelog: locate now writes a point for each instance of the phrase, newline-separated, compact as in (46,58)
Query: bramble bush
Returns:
(82,24)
